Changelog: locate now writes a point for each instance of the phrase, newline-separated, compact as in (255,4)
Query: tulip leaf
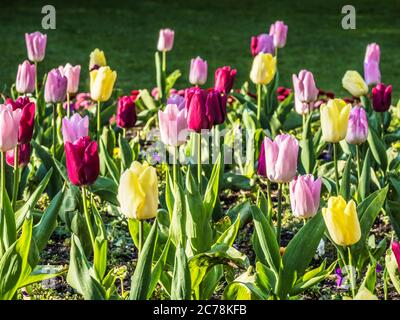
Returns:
(211,194)
(125,152)
(171,80)
(158,269)
(393,211)
(178,220)
(8,229)
(106,189)
(133,226)
(392,269)
(365,179)
(244,288)
(229,235)
(265,278)
(181,283)
(345,182)
(378,149)
(111,166)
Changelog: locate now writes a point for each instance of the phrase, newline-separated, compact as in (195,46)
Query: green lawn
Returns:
(217,30)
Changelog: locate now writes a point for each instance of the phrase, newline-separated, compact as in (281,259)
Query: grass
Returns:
(218,31)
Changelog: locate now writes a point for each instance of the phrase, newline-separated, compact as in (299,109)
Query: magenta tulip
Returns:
(25,82)
(381,97)
(24,155)
(36,46)
(83,163)
(72,73)
(357,130)
(305,193)
(396,252)
(9,127)
(279,31)
(56,87)
(173,125)
(262,43)
(372,74)
(224,78)
(165,40)
(75,128)
(126,112)
(198,71)
(27,121)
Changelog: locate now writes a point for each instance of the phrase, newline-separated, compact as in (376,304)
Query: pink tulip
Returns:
(173,125)
(75,128)
(72,73)
(24,155)
(372,73)
(36,46)
(56,87)
(396,252)
(165,40)
(281,158)
(224,78)
(305,193)
(198,71)
(262,43)
(279,31)
(9,127)
(305,89)
(27,122)
(357,130)
(26,74)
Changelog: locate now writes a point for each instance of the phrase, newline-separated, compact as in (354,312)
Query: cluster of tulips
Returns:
(333,163)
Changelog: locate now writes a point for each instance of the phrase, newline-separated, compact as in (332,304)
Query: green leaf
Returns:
(43,273)
(307,155)
(377,148)
(265,277)
(158,269)
(211,194)
(365,179)
(345,182)
(125,152)
(8,231)
(229,235)
(109,162)
(178,222)
(243,288)
(392,269)
(181,283)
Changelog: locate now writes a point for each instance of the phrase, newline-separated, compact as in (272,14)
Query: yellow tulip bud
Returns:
(342,221)
(354,83)
(97,58)
(365,294)
(138,191)
(102,83)
(263,69)
(334,120)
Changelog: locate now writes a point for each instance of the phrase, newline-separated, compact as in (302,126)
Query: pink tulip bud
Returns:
(305,89)
(9,127)
(24,155)
(263,43)
(198,71)
(396,252)
(381,97)
(372,74)
(279,31)
(75,128)
(305,193)
(56,87)
(26,74)
(126,112)
(27,121)
(357,130)
(36,46)
(173,125)
(224,78)
(72,73)
(165,40)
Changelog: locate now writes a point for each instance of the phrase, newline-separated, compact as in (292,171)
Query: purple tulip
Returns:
(262,43)
(75,128)
(381,97)
(224,78)
(165,40)
(26,74)
(305,193)
(198,71)
(177,99)
(372,74)
(126,112)
(279,31)
(56,87)
(357,130)
(24,155)
(173,125)
(72,73)
(36,46)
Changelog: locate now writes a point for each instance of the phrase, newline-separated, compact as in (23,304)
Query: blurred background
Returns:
(218,31)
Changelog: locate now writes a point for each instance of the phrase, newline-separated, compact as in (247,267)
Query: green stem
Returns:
(258,102)
(351,275)
(36,81)
(358,163)
(54,124)
(87,217)
(198,135)
(68,108)
(164,61)
(279,228)
(141,233)
(124,133)
(98,120)
(175,169)
(381,118)
(269,200)
(3,191)
(16,177)
(336,168)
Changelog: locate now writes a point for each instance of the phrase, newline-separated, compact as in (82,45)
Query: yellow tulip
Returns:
(365,294)
(334,120)
(354,83)
(102,83)
(138,192)
(97,58)
(263,69)
(342,221)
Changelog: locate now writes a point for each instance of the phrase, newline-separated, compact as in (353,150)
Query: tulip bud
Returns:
(263,68)
(9,127)
(334,120)
(280,158)
(72,73)
(126,112)
(56,87)
(173,125)
(24,155)
(279,31)
(176,99)
(305,193)
(83,163)
(357,130)
(381,97)
(165,40)
(97,59)
(372,73)
(342,221)
(75,128)
(354,83)
(27,121)
(36,46)
(304,87)
(396,252)
(263,43)
(102,83)
(224,78)
(138,192)
(198,71)
(26,74)
(365,294)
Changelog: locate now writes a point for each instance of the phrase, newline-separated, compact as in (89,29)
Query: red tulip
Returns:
(83,163)
(224,78)
(27,121)
(126,112)
(24,155)
(381,97)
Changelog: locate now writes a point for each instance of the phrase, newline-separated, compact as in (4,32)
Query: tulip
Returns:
(126,112)
(279,31)
(357,130)
(56,87)
(173,125)
(280,158)
(83,163)
(24,155)
(334,120)
(138,192)
(102,83)
(72,74)
(97,59)
(372,73)
(304,87)
(224,78)
(177,99)
(342,221)
(305,193)
(198,71)
(365,294)
(25,82)
(165,40)
(381,97)
(36,46)
(27,121)
(354,83)
(396,252)
(263,69)
(262,43)
(9,127)
(75,128)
